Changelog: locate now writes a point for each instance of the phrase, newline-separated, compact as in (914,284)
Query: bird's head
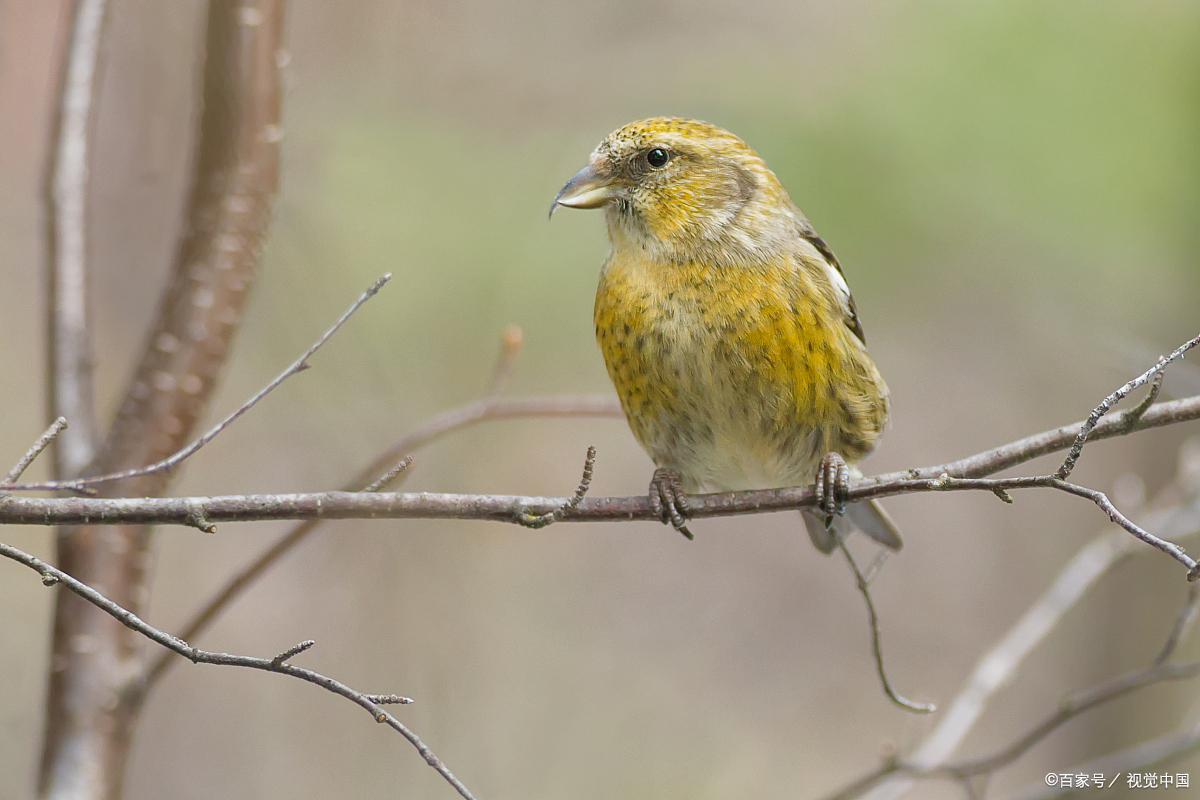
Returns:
(684,189)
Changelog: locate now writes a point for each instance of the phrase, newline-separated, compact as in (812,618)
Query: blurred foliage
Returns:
(1033,153)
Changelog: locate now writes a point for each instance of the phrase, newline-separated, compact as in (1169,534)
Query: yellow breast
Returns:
(736,378)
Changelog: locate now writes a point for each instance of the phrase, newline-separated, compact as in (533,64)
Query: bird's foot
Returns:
(668,501)
(833,485)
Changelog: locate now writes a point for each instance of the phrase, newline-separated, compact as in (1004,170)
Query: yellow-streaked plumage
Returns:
(735,380)
(724,320)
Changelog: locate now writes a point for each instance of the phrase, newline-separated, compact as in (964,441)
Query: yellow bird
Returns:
(727,326)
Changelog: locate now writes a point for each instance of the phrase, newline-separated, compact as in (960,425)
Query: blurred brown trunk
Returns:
(95,671)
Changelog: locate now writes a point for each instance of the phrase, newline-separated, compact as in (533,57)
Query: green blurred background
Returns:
(1013,188)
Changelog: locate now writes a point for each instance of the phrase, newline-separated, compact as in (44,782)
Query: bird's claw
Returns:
(833,486)
(668,501)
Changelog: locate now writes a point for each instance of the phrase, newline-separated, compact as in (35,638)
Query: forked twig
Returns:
(1085,430)
(1150,399)
(173,460)
(947,483)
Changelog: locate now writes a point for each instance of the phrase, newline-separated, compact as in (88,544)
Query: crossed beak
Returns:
(591,187)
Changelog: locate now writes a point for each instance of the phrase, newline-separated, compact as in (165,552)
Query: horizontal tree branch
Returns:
(508,508)
(346,505)
(489,408)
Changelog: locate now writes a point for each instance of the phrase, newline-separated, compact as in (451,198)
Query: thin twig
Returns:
(1101,499)
(876,647)
(1085,430)
(33,452)
(947,483)
(173,460)
(1150,399)
(528,520)
(391,475)
(389,699)
(292,652)
(1183,621)
(51,575)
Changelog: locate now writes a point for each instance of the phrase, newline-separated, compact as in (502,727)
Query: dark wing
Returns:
(852,322)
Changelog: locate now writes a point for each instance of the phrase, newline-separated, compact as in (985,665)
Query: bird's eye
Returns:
(658,157)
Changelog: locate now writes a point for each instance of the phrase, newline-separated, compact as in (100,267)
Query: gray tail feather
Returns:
(868,517)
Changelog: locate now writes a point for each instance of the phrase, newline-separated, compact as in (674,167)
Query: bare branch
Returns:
(505,508)
(876,648)
(1072,707)
(947,483)
(173,460)
(33,452)
(69,384)
(1015,453)
(489,408)
(432,505)
(51,575)
(430,431)
(391,475)
(1150,399)
(1183,621)
(70,390)
(234,177)
(1085,430)
(941,477)
(291,652)
(1069,709)
(389,699)
(999,665)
